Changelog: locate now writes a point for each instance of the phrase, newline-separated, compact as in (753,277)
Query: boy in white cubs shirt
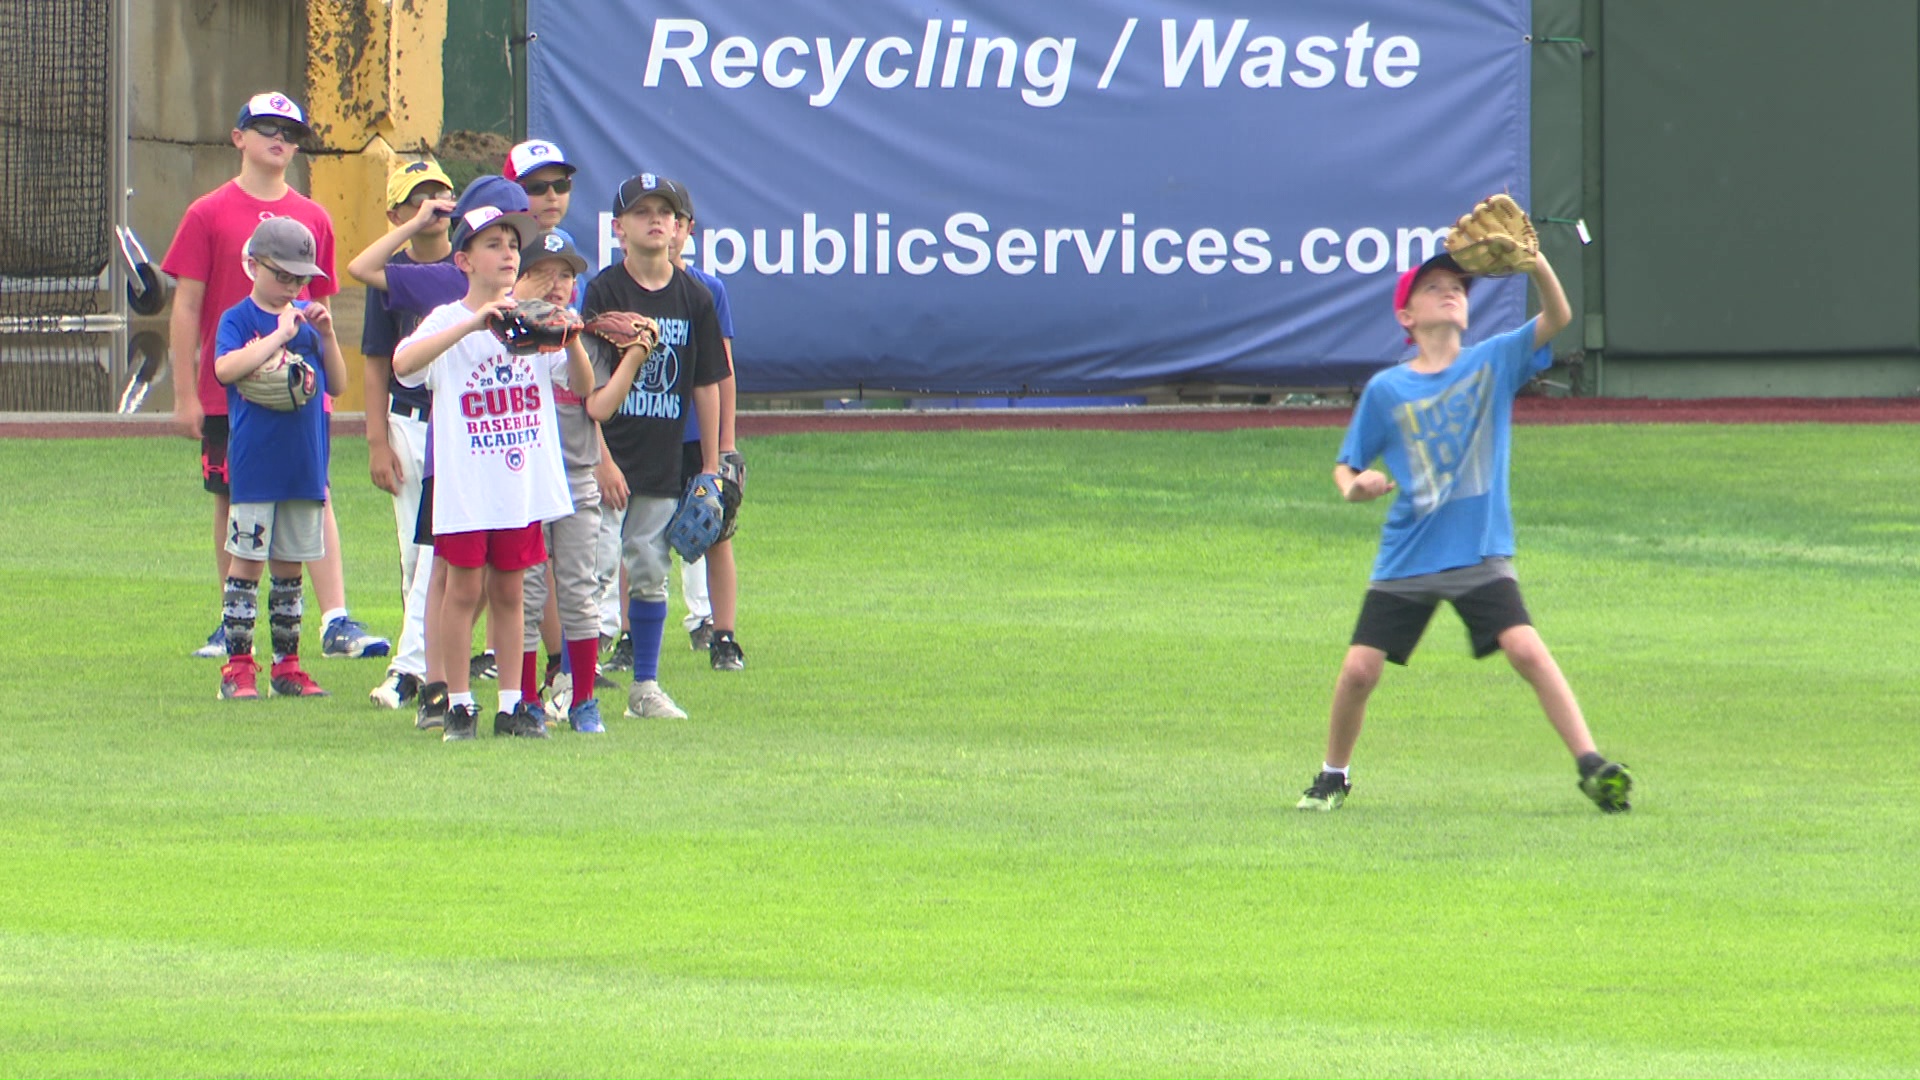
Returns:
(498,474)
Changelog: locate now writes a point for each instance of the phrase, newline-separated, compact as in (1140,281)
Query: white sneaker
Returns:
(647,701)
(397,689)
(559,700)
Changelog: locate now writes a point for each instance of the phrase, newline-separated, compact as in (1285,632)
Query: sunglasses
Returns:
(282,276)
(271,130)
(541,187)
(420,198)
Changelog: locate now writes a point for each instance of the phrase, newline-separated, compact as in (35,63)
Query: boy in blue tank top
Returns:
(1441,425)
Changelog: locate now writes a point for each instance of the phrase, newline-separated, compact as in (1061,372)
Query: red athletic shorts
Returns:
(502,549)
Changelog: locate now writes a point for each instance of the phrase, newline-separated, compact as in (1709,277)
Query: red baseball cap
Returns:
(1403,292)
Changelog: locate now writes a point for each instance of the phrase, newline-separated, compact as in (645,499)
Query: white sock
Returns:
(1340,769)
(335,613)
(463,699)
(509,699)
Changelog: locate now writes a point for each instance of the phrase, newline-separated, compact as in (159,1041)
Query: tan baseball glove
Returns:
(283,383)
(625,330)
(1495,239)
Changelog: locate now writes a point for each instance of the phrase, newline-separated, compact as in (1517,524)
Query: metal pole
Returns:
(119,132)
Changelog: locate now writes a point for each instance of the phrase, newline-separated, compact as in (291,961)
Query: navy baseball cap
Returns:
(641,185)
(490,201)
(552,244)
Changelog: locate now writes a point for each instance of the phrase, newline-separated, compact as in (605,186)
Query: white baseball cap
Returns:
(272,103)
(534,154)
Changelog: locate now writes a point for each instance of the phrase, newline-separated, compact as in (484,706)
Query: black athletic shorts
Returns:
(213,454)
(1393,624)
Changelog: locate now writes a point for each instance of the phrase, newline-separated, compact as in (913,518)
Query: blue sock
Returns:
(648,619)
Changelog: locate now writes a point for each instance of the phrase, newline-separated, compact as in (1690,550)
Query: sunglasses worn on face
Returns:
(270,130)
(541,187)
(282,276)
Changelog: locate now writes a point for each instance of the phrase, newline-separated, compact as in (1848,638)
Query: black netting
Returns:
(56,210)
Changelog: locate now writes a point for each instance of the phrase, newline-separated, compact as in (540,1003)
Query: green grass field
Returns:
(1006,788)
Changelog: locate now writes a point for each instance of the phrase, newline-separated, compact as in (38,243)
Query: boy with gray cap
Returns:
(276,461)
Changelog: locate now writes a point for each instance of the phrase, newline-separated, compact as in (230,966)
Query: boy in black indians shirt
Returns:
(643,421)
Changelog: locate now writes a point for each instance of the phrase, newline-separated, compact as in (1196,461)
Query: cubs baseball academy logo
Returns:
(654,392)
(501,408)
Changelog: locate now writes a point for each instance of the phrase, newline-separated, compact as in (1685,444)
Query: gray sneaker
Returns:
(646,701)
(701,637)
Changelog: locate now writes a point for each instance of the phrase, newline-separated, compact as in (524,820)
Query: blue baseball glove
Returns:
(697,524)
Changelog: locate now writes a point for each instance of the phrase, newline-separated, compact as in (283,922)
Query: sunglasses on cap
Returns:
(541,187)
(282,276)
(273,129)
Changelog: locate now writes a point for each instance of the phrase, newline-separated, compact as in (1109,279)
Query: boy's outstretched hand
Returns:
(1369,484)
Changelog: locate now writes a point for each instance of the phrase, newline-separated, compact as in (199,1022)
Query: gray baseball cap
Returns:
(286,244)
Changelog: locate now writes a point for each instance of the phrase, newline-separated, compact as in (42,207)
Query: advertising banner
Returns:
(997,196)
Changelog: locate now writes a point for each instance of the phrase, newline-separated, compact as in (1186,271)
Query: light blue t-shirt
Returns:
(1446,439)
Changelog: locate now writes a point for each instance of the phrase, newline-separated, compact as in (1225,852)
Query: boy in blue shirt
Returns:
(276,461)
(1443,423)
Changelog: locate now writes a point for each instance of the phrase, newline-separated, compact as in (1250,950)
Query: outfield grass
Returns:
(1006,787)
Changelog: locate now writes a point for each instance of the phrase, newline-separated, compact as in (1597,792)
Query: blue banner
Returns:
(999,196)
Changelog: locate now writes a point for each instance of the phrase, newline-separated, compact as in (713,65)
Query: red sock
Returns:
(529,676)
(583,657)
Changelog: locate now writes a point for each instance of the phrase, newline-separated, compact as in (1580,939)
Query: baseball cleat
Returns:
(484,666)
(726,652)
(397,689)
(216,646)
(1608,788)
(239,679)
(646,701)
(585,718)
(462,724)
(290,681)
(347,638)
(701,637)
(524,722)
(1328,791)
(433,707)
(621,657)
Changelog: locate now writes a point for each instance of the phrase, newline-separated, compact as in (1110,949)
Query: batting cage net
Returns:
(57,175)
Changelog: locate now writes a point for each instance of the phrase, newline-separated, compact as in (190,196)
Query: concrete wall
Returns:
(368,72)
(191,64)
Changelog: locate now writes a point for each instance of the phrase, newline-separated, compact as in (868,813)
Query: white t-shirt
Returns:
(496,438)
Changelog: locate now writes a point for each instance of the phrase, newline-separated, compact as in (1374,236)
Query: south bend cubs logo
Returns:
(279,103)
(501,406)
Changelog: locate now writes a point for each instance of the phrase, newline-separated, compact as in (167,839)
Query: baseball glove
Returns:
(1495,239)
(733,479)
(625,330)
(697,524)
(534,326)
(282,384)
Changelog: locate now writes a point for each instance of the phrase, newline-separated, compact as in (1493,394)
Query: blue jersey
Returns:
(1446,438)
(721,307)
(274,456)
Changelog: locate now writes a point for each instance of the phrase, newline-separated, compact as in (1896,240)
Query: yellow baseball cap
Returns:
(402,180)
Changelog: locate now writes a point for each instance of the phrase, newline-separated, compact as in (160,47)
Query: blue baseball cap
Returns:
(490,201)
